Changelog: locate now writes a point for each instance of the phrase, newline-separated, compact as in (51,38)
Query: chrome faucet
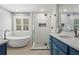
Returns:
(5,34)
(75,30)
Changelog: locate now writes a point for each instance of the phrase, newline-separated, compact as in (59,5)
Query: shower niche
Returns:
(42,24)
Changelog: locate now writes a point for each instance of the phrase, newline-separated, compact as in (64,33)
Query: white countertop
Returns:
(2,41)
(70,40)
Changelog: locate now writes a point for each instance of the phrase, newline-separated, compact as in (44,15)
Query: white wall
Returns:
(69,7)
(5,20)
(53,20)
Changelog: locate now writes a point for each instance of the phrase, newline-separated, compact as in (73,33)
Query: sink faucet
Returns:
(75,30)
(5,34)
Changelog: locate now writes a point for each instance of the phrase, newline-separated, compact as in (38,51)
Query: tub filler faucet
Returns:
(5,34)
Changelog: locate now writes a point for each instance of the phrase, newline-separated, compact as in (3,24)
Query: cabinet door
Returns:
(73,51)
(50,44)
(55,49)
(3,49)
(60,52)
(61,45)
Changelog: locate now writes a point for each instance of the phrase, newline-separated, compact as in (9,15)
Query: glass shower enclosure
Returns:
(40,30)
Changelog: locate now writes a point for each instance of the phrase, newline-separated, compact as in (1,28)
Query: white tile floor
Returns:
(26,51)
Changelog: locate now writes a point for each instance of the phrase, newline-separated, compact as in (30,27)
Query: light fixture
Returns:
(65,10)
(16,10)
(42,9)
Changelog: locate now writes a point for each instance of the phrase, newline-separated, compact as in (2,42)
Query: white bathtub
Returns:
(18,40)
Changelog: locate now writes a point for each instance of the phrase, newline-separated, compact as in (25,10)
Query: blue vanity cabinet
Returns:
(51,44)
(60,52)
(59,48)
(73,51)
(3,49)
(55,49)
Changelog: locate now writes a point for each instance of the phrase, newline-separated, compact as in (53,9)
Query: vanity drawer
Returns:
(61,45)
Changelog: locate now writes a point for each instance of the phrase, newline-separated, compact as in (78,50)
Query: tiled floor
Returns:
(26,51)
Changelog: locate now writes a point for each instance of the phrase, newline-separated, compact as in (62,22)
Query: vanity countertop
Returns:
(2,41)
(68,38)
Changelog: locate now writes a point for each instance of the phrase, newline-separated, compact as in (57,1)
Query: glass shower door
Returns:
(40,32)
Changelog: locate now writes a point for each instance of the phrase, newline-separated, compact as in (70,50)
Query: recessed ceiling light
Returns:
(16,10)
(65,10)
(42,9)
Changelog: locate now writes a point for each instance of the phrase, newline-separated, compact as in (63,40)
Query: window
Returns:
(18,24)
(25,24)
(22,24)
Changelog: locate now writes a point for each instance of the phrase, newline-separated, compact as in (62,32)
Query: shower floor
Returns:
(26,51)
(40,45)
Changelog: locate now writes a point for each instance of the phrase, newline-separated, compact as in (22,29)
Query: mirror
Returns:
(69,21)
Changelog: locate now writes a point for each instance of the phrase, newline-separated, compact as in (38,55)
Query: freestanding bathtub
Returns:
(18,41)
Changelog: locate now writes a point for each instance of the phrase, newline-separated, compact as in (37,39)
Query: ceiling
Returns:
(29,7)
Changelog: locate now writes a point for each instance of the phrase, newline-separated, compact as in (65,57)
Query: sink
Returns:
(64,36)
